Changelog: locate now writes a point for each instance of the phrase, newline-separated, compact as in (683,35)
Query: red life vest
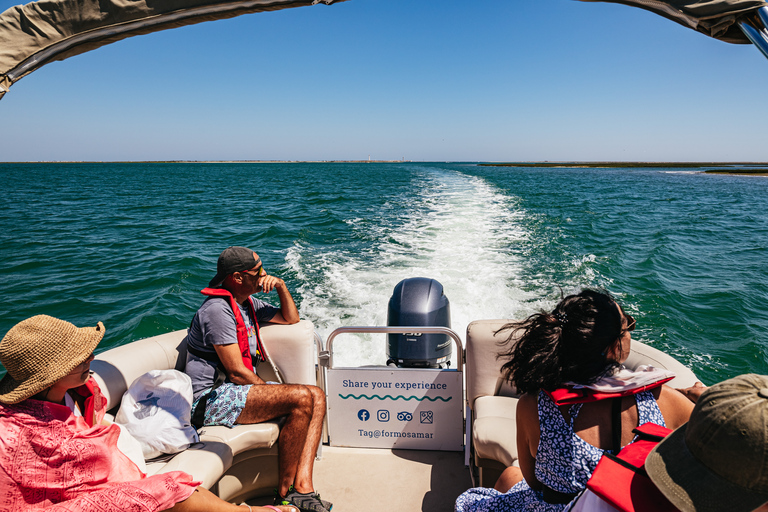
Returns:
(569,395)
(94,402)
(621,481)
(242,335)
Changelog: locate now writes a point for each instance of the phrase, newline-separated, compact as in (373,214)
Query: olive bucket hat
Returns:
(41,350)
(719,459)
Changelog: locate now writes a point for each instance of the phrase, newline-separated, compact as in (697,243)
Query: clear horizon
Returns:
(494,81)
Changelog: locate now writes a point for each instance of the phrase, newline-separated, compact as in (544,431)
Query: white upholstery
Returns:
(483,368)
(292,349)
(494,428)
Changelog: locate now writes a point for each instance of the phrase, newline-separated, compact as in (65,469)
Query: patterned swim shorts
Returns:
(225,404)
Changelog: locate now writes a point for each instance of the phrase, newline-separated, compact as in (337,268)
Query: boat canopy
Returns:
(37,33)
(716,18)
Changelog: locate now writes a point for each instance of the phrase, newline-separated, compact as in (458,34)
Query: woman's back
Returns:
(564,459)
(594,422)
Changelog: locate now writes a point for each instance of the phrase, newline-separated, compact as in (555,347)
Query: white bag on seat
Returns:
(156,410)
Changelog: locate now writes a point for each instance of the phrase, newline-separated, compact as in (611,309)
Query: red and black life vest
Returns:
(93,401)
(621,480)
(569,395)
(242,335)
(198,414)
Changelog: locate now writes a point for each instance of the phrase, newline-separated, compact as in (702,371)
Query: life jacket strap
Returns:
(554,497)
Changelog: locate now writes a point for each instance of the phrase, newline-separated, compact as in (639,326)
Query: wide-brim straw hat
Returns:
(40,351)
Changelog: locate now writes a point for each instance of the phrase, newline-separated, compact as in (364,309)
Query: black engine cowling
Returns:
(419,301)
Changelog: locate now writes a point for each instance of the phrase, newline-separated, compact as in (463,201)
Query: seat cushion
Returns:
(205,461)
(242,437)
(494,429)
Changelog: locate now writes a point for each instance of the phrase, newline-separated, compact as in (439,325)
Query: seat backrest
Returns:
(291,347)
(483,368)
(641,354)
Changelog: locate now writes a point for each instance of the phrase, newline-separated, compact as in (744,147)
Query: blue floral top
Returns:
(564,461)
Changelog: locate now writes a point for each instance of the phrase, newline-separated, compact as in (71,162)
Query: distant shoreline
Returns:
(213,162)
(630,165)
(732,168)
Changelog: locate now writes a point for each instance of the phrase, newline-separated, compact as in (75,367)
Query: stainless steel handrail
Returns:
(756,30)
(328,353)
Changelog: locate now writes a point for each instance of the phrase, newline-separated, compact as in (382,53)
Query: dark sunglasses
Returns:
(258,272)
(630,320)
(630,323)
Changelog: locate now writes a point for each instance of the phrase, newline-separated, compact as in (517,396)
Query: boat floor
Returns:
(373,480)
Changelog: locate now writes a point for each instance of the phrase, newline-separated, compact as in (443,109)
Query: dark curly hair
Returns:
(567,345)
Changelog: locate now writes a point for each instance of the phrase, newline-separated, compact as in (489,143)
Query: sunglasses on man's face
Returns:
(260,272)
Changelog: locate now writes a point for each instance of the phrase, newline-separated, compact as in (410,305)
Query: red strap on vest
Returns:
(568,395)
(621,480)
(91,392)
(242,335)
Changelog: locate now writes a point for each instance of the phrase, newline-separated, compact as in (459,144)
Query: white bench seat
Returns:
(235,463)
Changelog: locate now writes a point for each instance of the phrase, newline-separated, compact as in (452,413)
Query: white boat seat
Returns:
(242,437)
(218,460)
(494,428)
(206,462)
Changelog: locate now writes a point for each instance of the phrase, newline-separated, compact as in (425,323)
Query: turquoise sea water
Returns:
(132,245)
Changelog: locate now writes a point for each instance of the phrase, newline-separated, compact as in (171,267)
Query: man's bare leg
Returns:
(303,482)
(295,401)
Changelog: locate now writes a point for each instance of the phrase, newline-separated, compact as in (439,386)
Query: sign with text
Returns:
(416,409)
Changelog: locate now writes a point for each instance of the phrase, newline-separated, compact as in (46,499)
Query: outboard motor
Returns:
(419,301)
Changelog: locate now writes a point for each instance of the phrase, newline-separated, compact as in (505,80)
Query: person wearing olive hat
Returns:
(718,461)
(223,349)
(56,447)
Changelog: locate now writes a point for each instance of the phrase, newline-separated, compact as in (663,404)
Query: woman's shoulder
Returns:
(528,411)
(674,406)
(529,401)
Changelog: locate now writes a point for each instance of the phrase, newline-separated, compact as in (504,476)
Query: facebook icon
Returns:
(363,415)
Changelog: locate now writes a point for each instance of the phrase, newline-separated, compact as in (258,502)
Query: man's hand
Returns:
(269,283)
(694,392)
(288,313)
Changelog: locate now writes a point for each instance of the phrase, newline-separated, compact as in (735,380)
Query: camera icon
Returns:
(382,416)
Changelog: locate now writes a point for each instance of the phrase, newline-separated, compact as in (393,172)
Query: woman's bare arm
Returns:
(528,438)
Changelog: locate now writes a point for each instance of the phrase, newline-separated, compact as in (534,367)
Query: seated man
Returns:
(224,346)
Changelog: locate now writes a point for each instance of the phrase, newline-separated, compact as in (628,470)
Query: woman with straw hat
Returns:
(57,449)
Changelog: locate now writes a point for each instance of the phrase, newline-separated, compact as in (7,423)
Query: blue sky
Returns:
(491,80)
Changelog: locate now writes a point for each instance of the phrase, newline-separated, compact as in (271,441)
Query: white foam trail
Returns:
(458,230)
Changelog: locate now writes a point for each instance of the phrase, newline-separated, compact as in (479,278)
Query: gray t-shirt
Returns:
(214,324)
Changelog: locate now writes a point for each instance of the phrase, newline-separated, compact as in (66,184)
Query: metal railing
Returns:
(326,356)
(756,29)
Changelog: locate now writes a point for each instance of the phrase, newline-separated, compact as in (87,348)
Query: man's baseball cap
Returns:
(231,260)
(719,459)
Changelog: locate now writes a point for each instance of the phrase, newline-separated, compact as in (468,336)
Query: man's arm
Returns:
(288,313)
(233,364)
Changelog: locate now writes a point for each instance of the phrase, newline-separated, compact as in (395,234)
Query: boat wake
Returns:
(454,228)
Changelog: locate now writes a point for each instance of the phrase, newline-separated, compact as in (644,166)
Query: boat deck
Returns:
(382,480)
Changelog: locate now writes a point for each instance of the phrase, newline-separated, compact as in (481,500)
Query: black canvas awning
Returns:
(715,18)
